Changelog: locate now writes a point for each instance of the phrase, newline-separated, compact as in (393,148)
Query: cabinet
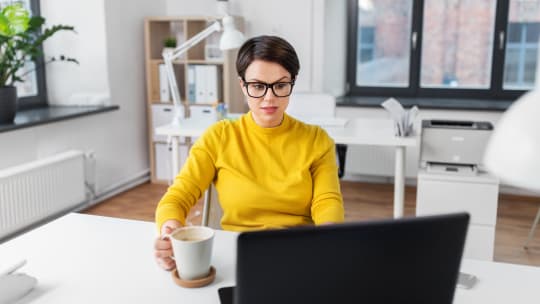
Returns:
(205,76)
(445,193)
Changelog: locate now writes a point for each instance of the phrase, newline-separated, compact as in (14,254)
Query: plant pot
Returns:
(167,50)
(8,104)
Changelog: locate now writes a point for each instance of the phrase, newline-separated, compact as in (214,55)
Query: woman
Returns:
(269,169)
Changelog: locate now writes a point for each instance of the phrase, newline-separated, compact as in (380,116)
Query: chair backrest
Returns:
(212,211)
(303,105)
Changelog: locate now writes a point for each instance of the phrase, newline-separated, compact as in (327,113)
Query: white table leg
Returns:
(399,182)
(175,156)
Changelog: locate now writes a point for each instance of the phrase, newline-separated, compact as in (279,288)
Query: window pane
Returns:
(24,3)
(383,52)
(514,32)
(511,66)
(457,43)
(530,66)
(367,35)
(28,87)
(521,54)
(365,55)
(532,32)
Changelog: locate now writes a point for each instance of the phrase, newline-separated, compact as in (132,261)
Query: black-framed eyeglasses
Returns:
(257,89)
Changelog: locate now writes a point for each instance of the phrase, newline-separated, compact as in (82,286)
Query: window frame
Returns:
(495,92)
(40,99)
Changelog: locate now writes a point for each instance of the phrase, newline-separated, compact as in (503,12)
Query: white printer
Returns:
(452,179)
(453,146)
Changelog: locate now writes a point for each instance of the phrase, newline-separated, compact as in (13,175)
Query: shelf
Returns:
(156,30)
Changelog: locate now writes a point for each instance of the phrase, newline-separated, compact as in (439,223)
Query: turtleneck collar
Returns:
(283,127)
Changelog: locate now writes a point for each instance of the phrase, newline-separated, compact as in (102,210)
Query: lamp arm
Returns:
(169,57)
(214,27)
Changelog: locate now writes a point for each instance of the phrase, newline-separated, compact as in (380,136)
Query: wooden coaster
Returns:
(194,283)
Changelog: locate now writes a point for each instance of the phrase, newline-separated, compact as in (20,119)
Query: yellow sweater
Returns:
(265,177)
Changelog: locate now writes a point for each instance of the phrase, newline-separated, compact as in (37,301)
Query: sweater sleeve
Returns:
(194,178)
(327,204)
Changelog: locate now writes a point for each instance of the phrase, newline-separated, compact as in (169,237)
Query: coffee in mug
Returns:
(192,248)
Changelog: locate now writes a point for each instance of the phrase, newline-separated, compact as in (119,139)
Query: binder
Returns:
(191,84)
(200,84)
(203,83)
(211,83)
(164,90)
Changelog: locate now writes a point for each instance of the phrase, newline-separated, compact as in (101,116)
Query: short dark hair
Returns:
(267,48)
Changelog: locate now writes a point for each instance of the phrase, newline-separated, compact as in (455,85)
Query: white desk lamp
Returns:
(230,39)
(513,152)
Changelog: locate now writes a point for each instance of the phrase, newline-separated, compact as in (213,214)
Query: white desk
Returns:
(377,132)
(91,259)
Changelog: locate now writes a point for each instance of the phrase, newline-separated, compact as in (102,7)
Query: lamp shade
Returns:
(513,152)
(231,38)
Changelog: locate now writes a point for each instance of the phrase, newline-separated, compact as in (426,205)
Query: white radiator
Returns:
(35,191)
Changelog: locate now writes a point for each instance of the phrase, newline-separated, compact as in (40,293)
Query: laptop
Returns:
(409,260)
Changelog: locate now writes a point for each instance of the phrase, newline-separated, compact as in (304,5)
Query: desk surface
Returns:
(365,131)
(91,259)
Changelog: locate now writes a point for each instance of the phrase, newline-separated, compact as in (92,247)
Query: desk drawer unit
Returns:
(477,195)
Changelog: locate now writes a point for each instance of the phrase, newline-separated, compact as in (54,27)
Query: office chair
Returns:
(317,105)
(212,212)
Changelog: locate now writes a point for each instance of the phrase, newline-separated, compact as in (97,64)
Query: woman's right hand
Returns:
(162,247)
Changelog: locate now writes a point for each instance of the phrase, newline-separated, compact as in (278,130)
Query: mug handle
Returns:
(168,236)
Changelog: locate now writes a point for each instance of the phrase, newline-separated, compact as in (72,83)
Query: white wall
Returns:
(119,137)
(292,20)
(335,46)
(87,45)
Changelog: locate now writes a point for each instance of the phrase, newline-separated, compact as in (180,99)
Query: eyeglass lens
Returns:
(259,89)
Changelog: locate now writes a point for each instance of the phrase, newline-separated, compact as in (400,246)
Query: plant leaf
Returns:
(18,19)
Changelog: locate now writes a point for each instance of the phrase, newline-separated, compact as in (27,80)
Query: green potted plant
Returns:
(21,39)
(169,44)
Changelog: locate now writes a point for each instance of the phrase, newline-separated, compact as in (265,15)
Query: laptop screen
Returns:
(411,260)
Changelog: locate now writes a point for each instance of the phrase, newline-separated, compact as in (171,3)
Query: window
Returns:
(457,41)
(521,53)
(471,49)
(383,36)
(31,92)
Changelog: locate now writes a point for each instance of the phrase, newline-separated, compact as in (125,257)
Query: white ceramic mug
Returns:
(192,248)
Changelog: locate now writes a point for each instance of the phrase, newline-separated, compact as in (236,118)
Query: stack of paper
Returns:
(403,119)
